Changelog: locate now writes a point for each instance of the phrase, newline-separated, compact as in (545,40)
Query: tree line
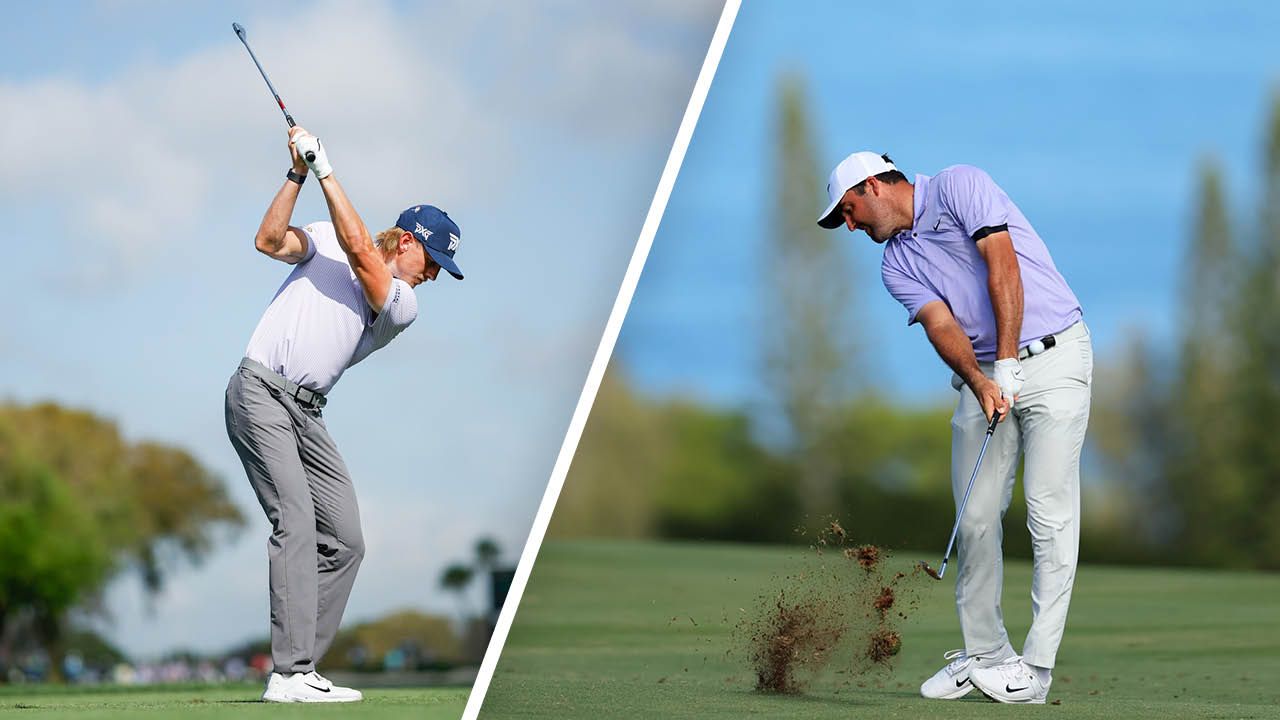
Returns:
(1181,462)
(79,506)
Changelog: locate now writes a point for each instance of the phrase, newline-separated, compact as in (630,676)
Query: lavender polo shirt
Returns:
(938,260)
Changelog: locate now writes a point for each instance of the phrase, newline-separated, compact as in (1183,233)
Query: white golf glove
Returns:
(319,164)
(1009,377)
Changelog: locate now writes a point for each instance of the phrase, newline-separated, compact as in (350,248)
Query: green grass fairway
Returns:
(595,638)
(216,702)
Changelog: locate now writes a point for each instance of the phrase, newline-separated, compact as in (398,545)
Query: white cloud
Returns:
(145,152)
(142,153)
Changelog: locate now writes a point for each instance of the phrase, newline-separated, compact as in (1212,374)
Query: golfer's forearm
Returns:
(366,262)
(271,233)
(956,351)
(1005,287)
(353,237)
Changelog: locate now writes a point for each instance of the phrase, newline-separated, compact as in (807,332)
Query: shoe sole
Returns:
(293,699)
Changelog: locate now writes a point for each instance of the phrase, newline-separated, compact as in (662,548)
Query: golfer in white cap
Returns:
(968,266)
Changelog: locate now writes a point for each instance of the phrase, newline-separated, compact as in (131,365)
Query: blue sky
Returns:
(1092,115)
(140,149)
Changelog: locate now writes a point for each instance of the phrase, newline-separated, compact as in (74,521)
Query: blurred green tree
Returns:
(1129,427)
(1194,439)
(50,555)
(675,468)
(366,645)
(455,579)
(487,553)
(82,505)
(811,353)
(611,486)
(1253,499)
(1204,478)
(895,481)
(716,482)
(154,504)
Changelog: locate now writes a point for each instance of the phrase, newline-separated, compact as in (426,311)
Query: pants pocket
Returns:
(1086,360)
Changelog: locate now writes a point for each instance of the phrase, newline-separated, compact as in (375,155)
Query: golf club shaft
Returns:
(287,118)
(991,429)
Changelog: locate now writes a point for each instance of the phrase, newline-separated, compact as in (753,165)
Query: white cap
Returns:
(851,171)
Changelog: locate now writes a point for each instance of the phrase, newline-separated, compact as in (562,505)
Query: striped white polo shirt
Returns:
(319,323)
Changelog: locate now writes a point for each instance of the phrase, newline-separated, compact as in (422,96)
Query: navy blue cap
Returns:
(438,234)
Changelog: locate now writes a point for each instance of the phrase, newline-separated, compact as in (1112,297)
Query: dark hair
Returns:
(888,177)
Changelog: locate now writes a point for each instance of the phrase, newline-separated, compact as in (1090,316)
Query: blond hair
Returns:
(388,241)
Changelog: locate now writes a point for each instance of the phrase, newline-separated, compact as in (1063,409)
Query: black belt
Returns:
(304,395)
(1048,342)
(1045,343)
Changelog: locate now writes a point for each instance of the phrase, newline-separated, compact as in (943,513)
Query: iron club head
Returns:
(930,571)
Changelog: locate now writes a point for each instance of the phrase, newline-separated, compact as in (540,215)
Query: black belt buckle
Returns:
(309,397)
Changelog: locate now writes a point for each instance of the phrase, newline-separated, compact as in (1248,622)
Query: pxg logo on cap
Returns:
(438,234)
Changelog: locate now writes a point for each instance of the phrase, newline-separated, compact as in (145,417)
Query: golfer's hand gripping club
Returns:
(312,151)
(1009,376)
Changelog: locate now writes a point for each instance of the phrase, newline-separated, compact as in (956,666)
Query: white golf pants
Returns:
(1048,428)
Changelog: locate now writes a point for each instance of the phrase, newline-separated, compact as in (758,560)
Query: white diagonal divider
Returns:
(603,353)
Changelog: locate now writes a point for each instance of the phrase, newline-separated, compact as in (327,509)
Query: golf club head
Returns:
(930,571)
(239,29)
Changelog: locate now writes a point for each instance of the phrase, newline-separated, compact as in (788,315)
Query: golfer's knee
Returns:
(974,532)
(342,550)
(1046,525)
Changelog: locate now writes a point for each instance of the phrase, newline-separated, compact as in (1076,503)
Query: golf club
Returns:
(240,34)
(937,574)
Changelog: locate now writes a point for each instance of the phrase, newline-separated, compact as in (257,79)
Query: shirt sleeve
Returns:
(974,199)
(314,232)
(905,288)
(399,311)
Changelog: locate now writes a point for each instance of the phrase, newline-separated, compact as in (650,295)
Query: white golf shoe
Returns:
(952,681)
(1011,682)
(307,687)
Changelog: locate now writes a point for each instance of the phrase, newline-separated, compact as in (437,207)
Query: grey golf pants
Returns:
(301,481)
(1048,427)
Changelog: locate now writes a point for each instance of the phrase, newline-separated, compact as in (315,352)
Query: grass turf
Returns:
(219,701)
(638,629)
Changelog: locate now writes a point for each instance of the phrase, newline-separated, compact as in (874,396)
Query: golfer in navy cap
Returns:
(348,295)
(968,266)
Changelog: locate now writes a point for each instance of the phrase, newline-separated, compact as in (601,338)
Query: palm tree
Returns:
(455,579)
(487,553)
